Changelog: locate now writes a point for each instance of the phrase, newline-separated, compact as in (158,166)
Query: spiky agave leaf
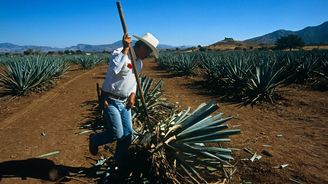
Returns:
(156,106)
(166,60)
(234,76)
(185,64)
(321,74)
(212,65)
(186,136)
(23,74)
(88,61)
(262,84)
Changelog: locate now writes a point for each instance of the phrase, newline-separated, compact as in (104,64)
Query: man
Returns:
(118,95)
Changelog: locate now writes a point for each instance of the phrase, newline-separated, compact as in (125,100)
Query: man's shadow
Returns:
(43,169)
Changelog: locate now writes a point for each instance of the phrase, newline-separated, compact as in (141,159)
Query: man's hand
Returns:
(126,40)
(131,100)
(106,104)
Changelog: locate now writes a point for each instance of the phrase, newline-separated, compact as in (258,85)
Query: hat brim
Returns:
(154,49)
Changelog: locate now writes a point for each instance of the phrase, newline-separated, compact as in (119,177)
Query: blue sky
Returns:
(61,23)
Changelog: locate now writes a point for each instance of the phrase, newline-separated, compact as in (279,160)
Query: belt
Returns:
(114,96)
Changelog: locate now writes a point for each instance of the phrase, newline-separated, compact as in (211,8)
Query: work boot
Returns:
(118,172)
(93,149)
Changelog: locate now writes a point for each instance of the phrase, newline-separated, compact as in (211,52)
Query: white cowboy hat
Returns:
(151,41)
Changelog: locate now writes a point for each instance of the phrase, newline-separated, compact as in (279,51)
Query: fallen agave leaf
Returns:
(248,150)
(253,157)
(258,157)
(48,154)
(84,132)
(283,166)
(295,181)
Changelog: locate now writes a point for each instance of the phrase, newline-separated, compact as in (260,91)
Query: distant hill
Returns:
(96,48)
(9,47)
(231,44)
(310,35)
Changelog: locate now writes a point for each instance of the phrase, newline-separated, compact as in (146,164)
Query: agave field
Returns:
(174,144)
(254,76)
(21,74)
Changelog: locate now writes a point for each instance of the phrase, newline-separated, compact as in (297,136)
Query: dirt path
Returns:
(302,120)
(57,115)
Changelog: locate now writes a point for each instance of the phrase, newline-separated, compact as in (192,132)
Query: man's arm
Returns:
(119,60)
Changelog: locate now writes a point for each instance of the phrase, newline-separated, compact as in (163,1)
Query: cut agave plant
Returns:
(179,145)
(183,145)
(185,137)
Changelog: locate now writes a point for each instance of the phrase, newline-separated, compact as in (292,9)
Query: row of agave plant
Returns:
(183,64)
(251,77)
(172,145)
(21,74)
(86,61)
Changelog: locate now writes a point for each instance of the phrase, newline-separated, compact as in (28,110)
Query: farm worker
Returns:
(119,93)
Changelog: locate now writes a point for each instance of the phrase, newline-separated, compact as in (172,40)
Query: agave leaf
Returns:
(199,161)
(207,122)
(195,117)
(48,154)
(189,167)
(189,149)
(189,174)
(25,73)
(212,149)
(209,137)
(201,132)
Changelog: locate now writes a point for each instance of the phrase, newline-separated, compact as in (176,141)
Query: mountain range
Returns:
(9,47)
(310,35)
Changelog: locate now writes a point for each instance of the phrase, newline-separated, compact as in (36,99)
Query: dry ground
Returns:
(42,123)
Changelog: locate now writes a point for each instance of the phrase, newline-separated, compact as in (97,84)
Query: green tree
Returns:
(78,52)
(66,52)
(28,52)
(289,42)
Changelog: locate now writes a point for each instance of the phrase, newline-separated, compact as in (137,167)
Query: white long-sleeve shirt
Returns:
(120,79)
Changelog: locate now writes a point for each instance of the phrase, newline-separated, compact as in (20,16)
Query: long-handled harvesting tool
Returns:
(133,60)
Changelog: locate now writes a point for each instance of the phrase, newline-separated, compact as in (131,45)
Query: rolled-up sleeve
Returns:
(117,62)
(134,90)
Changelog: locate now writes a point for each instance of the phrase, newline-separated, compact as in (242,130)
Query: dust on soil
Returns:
(42,123)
